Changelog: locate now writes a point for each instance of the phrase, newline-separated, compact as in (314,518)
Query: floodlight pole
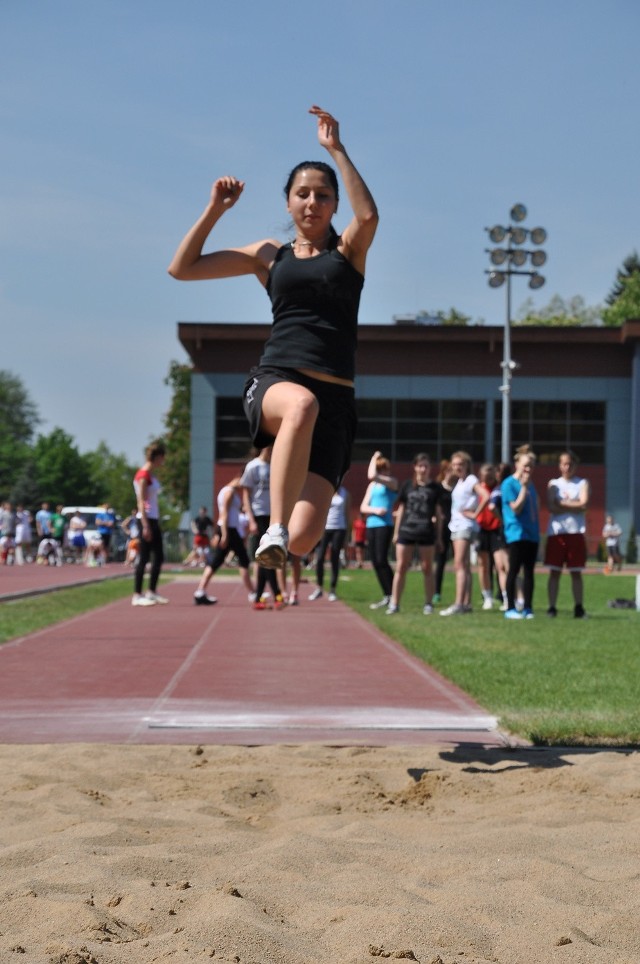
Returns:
(505,388)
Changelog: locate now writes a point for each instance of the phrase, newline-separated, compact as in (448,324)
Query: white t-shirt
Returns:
(570,522)
(336,517)
(256,478)
(463,498)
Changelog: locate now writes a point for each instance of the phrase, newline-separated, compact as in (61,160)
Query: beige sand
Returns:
(313,854)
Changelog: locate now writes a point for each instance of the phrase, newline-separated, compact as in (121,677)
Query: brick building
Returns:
(436,389)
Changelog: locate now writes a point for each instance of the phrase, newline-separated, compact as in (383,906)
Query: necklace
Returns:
(310,244)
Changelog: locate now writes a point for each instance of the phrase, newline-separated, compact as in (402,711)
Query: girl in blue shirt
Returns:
(377,506)
(521,531)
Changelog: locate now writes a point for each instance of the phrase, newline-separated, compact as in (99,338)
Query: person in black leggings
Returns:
(147,489)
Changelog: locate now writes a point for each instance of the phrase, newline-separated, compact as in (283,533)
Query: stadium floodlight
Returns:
(515,258)
(497,233)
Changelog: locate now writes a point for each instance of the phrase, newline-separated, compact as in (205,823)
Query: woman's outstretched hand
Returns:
(225,192)
(328,128)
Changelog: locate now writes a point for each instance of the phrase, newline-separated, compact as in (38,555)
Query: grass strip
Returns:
(20,617)
(561,681)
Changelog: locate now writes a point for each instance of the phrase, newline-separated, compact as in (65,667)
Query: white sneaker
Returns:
(274,548)
(332,597)
(452,610)
(427,610)
(138,600)
(487,604)
(316,594)
(161,600)
(293,599)
(392,609)
(384,602)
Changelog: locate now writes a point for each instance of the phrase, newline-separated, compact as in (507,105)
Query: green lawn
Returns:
(553,681)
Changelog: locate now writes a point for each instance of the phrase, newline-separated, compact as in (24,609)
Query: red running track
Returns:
(225,674)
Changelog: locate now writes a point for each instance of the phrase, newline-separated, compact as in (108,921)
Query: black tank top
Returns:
(315,313)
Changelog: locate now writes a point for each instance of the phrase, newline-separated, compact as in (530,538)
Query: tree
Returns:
(630,266)
(175,473)
(111,478)
(559,313)
(62,474)
(627,305)
(18,422)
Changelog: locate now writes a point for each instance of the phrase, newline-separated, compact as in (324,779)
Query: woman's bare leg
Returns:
(289,413)
(309,516)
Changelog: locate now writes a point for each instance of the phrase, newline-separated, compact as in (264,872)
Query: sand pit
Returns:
(298,855)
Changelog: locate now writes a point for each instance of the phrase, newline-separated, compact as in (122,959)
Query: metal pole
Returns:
(505,388)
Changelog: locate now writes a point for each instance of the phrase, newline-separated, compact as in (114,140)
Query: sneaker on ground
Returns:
(504,607)
(274,548)
(262,603)
(436,599)
(384,602)
(579,613)
(332,597)
(454,610)
(316,594)
(293,599)
(138,600)
(487,604)
(528,613)
(392,609)
(252,597)
(514,614)
(279,602)
(161,600)
(203,600)
(427,609)
(552,611)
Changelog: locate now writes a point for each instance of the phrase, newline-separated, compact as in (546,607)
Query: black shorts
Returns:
(335,428)
(490,540)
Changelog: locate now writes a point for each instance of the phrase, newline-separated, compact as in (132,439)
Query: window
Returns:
(402,427)
(232,431)
(550,427)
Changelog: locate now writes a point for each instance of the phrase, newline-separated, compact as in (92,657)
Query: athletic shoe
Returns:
(204,600)
(579,613)
(262,603)
(138,600)
(161,600)
(552,611)
(293,599)
(427,610)
(252,597)
(392,609)
(504,606)
(274,548)
(487,604)
(316,594)
(528,613)
(436,599)
(453,611)
(467,608)
(279,602)
(332,597)
(514,614)
(384,602)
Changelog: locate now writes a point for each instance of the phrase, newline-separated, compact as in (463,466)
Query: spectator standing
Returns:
(377,506)
(447,481)
(255,481)
(334,537)
(567,499)
(105,524)
(468,499)
(43,521)
(131,528)
(24,535)
(491,551)
(612,534)
(521,532)
(147,489)
(359,533)
(415,528)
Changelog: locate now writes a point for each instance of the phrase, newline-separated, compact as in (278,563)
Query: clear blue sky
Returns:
(117,116)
